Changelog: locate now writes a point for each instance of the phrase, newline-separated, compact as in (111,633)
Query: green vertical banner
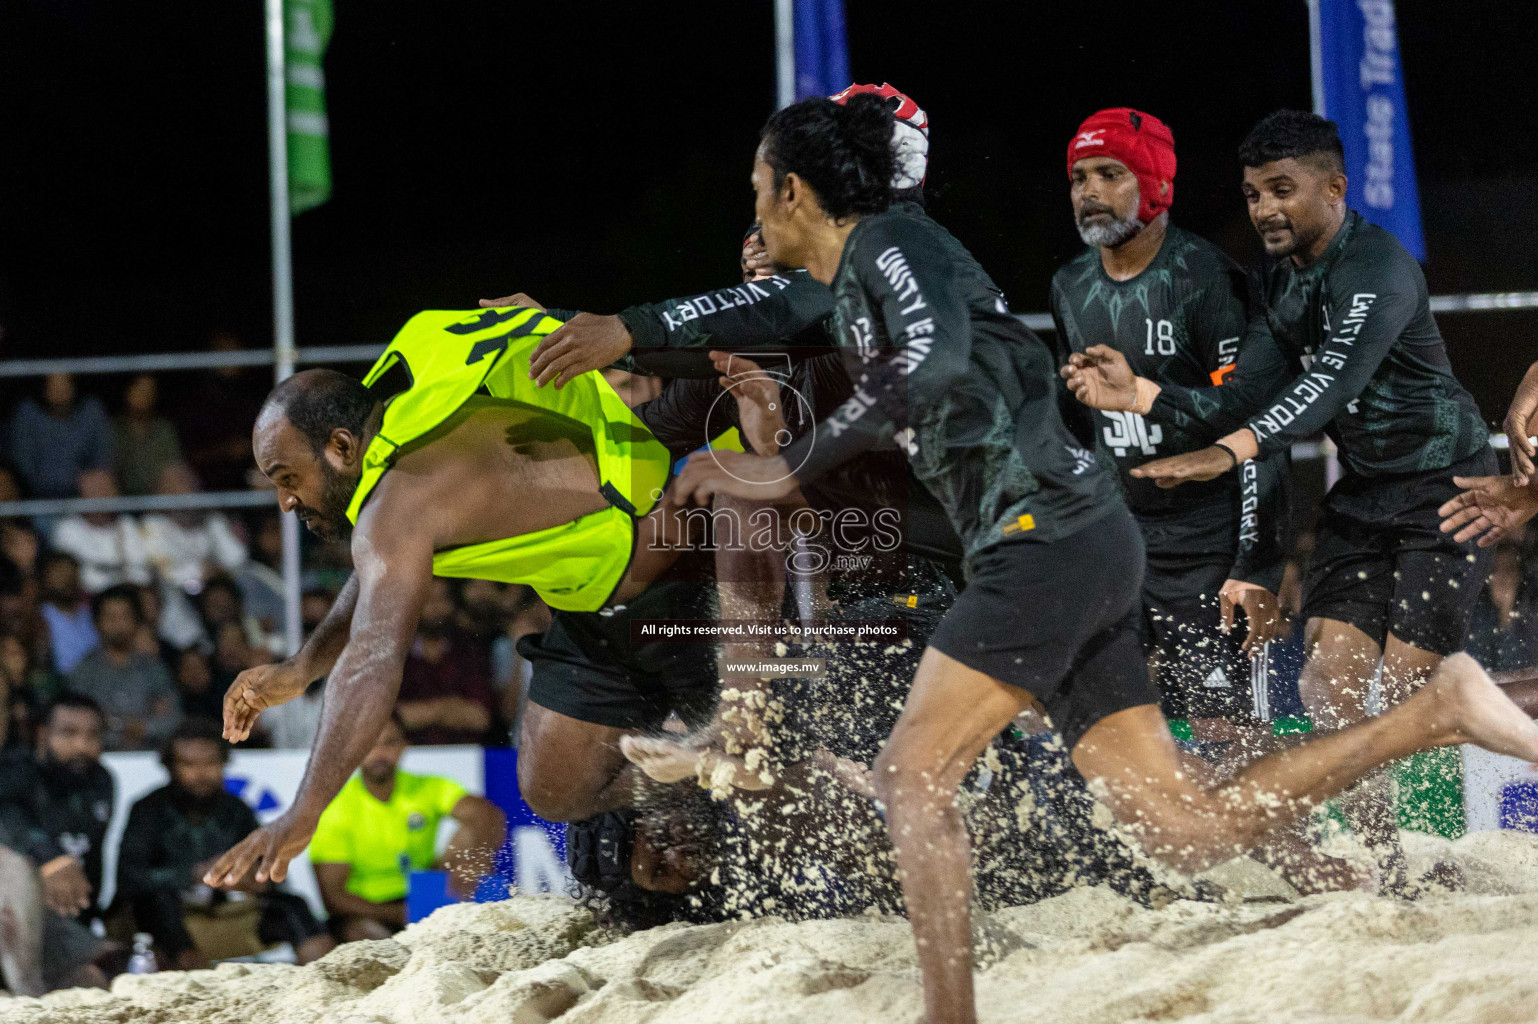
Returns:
(308,30)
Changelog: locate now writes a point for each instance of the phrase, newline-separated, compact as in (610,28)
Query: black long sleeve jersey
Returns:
(1179,322)
(46,811)
(166,838)
(1348,345)
(940,366)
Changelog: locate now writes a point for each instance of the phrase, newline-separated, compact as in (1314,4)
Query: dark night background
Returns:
(596,154)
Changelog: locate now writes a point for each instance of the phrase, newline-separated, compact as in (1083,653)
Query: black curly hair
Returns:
(1297,134)
(843,151)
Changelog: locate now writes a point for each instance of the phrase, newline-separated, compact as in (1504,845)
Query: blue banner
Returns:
(822,53)
(1360,73)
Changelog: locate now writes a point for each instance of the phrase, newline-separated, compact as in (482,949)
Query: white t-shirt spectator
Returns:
(185,552)
(109,553)
(292,726)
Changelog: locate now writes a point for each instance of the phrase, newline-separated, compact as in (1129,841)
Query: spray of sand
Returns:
(1086,957)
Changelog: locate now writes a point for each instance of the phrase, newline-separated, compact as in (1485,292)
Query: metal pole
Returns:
(1332,470)
(282,284)
(784,53)
(1316,56)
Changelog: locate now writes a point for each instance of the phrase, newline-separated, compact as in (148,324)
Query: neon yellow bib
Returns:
(443,357)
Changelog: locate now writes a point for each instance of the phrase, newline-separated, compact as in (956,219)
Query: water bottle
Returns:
(143,961)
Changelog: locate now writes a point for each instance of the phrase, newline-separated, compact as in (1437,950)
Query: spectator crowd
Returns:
(154,615)
(122,632)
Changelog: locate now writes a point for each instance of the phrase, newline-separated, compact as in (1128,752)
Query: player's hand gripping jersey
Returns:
(1348,346)
(438,362)
(941,366)
(1179,322)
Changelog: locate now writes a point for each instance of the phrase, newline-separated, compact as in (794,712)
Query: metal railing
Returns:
(161,362)
(174,361)
(1481,302)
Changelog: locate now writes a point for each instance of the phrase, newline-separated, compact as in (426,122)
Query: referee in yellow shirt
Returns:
(383,823)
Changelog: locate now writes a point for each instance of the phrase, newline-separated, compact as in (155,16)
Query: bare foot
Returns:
(664,760)
(1470,708)
(667,761)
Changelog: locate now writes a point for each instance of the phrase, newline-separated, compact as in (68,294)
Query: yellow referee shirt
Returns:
(381,841)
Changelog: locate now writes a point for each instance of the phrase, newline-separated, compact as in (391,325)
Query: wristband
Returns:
(1231,453)
(1147,391)
(56,865)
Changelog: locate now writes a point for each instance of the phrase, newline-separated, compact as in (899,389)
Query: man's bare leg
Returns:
(1287,851)
(21,924)
(1192,828)
(1335,684)
(953,711)
(569,769)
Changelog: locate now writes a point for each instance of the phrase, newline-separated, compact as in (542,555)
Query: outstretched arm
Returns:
(923,349)
(750,315)
(1521,419)
(394,570)
(1491,508)
(266,686)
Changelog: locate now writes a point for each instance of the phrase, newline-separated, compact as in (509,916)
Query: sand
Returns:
(1086,957)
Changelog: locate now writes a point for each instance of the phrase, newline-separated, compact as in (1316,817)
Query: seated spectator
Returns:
(108,545)
(10,486)
(54,441)
(56,801)
(148,639)
(215,411)
(261,580)
(445,694)
(292,726)
(19,543)
(176,833)
(133,688)
(1503,629)
(187,548)
(71,628)
(385,818)
(222,603)
(482,610)
(30,688)
(200,695)
(144,441)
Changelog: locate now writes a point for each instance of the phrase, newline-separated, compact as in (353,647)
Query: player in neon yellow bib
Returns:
(448,460)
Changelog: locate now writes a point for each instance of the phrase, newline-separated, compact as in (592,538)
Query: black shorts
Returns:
(586,667)
(286,917)
(1201,670)
(1382,564)
(1060,621)
(68,945)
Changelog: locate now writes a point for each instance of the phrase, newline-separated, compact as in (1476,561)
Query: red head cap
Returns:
(910,136)
(1142,142)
